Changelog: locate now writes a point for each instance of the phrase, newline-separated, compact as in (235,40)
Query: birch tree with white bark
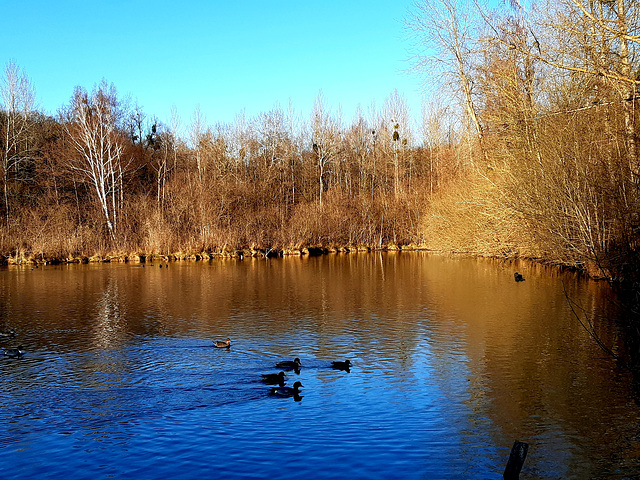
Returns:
(17,98)
(92,126)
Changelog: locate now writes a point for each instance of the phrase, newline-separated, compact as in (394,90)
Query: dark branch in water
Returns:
(588,327)
(516,460)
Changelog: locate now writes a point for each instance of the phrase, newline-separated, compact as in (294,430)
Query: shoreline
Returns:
(590,272)
(41,259)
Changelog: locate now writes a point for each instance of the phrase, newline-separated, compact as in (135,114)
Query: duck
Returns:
(273,378)
(287,391)
(221,344)
(14,352)
(346,365)
(290,365)
(518,277)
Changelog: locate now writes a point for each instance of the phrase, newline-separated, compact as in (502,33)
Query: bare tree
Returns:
(174,132)
(92,125)
(196,135)
(595,43)
(18,97)
(434,138)
(359,144)
(445,35)
(396,113)
(136,124)
(277,151)
(325,131)
(271,133)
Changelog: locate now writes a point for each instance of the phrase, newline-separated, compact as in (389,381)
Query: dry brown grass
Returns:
(470,216)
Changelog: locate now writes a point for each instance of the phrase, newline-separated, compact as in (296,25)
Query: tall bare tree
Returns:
(445,36)
(596,43)
(92,125)
(17,96)
(359,144)
(396,115)
(326,139)
(197,132)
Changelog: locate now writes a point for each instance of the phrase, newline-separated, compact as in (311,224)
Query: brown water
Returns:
(452,362)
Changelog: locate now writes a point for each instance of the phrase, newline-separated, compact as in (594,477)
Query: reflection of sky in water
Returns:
(109,324)
(452,362)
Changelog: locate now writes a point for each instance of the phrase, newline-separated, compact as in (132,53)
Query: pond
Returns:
(452,361)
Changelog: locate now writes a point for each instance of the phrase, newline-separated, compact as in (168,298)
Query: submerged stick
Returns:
(516,460)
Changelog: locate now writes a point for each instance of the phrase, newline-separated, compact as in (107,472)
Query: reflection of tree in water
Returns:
(624,308)
(630,306)
(110,324)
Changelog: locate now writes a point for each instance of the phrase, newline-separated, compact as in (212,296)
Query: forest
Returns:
(531,152)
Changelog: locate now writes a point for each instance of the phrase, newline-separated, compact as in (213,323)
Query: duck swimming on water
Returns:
(221,344)
(14,352)
(346,365)
(518,277)
(290,365)
(287,391)
(273,378)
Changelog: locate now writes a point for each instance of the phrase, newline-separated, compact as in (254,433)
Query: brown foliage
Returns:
(553,176)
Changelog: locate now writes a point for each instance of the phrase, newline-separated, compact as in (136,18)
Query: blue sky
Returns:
(223,56)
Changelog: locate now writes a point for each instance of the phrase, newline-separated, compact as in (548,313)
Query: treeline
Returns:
(104,179)
(534,154)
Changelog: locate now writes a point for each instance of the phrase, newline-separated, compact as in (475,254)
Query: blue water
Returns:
(120,378)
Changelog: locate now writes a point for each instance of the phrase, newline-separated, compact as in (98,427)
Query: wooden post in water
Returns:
(516,460)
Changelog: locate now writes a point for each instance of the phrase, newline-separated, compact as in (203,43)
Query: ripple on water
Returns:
(443,377)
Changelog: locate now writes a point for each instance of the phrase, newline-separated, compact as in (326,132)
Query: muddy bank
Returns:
(201,256)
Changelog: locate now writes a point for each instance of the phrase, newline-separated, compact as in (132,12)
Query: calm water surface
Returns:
(452,362)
